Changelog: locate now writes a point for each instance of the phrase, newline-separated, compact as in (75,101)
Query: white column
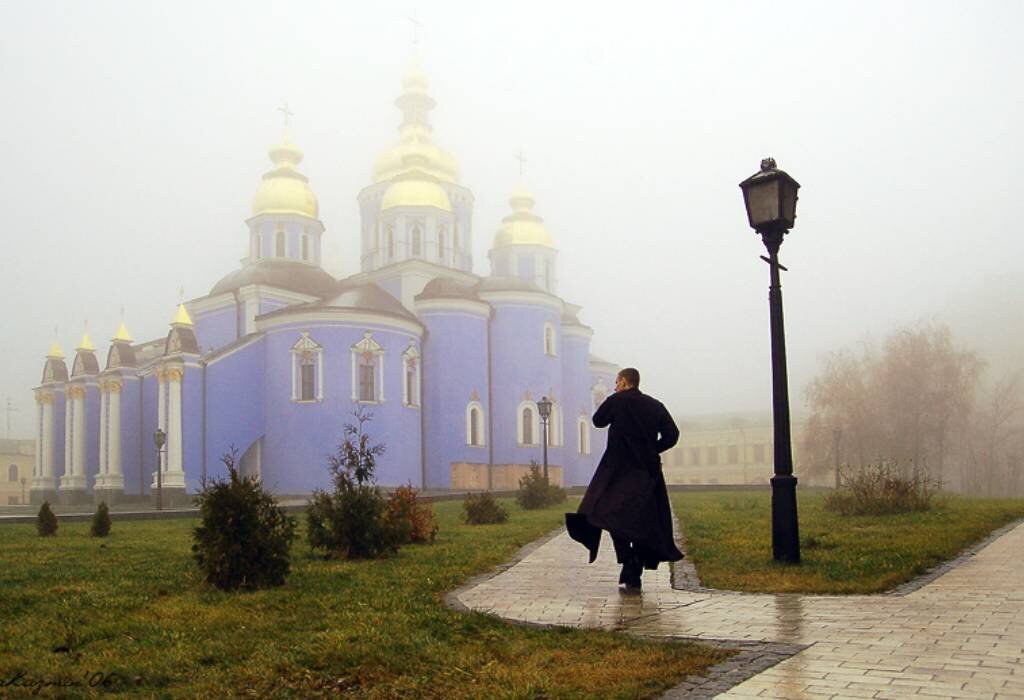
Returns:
(161,419)
(37,467)
(115,476)
(101,475)
(79,435)
(74,469)
(47,478)
(69,423)
(175,474)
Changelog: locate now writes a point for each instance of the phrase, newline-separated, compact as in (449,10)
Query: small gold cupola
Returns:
(522,226)
(284,190)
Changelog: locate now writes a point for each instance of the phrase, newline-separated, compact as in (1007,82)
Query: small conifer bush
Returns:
(413,521)
(244,536)
(100,521)
(535,491)
(351,521)
(883,488)
(482,509)
(46,521)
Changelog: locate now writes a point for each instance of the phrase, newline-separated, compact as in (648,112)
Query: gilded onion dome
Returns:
(522,226)
(284,190)
(415,185)
(415,134)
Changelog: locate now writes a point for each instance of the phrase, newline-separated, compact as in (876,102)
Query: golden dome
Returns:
(181,317)
(122,334)
(86,344)
(522,226)
(415,134)
(284,190)
(415,188)
(55,351)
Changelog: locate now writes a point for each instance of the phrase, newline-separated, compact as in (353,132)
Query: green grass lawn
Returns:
(133,605)
(728,537)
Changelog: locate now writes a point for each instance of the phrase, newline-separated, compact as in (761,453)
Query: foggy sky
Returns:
(135,135)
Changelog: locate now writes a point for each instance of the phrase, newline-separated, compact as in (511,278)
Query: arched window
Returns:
(474,424)
(547,275)
(549,339)
(411,386)
(279,244)
(527,424)
(391,242)
(417,242)
(367,370)
(441,236)
(254,245)
(583,435)
(598,392)
(305,246)
(307,369)
(555,426)
(12,472)
(455,235)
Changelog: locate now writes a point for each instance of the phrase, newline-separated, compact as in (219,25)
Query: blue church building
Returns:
(275,359)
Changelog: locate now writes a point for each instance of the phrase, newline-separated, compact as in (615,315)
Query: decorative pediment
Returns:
(368,345)
(306,344)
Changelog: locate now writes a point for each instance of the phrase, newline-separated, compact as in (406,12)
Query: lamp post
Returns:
(770,198)
(544,408)
(159,438)
(24,500)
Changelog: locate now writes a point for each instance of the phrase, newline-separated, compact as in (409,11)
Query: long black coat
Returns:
(627,495)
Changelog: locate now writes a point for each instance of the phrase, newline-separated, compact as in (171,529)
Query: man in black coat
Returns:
(627,496)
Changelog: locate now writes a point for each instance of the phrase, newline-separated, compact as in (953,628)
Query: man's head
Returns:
(627,378)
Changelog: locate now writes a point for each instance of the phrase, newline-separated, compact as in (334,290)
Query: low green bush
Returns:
(413,520)
(482,509)
(46,521)
(535,491)
(244,536)
(100,526)
(883,488)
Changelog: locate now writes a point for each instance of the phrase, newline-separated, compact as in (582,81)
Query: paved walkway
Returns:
(960,636)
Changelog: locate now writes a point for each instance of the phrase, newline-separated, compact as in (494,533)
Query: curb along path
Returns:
(959,636)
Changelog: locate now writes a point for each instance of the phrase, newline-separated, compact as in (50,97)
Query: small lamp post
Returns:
(159,438)
(544,407)
(770,197)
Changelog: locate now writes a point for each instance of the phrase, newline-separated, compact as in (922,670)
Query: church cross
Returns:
(417,25)
(522,160)
(283,109)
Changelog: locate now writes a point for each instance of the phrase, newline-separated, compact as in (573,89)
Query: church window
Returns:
(367,370)
(528,424)
(583,435)
(474,424)
(734,454)
(254,245)
(441,236)
(694,456)
(547,275)
(549,339)
(411,386)
(713,456)
(12,472)
(455,235)
(759,454)
(417,242)
(307,369)
(279,244)
(305,246)
(391,243)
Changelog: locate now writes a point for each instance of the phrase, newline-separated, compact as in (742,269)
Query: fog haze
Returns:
(135,135)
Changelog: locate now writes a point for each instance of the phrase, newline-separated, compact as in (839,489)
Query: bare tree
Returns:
(997,439)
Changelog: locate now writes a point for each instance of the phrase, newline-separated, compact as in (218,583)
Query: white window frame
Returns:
(411,355)
(550,328)
(303,345)
(368,345)
(583,435)
(534,427)
(470,407)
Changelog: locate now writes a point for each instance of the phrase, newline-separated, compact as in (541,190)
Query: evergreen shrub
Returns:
(482,509)
(351,521)
(413,521)
(46,521)
(535,491)
(244,536)
(100,521)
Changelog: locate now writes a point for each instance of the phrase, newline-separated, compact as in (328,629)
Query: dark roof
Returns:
(365,296)
(181,339)
(85,364)
(120,354)
(499,283)
(283,274)
(446,288)
(54,370)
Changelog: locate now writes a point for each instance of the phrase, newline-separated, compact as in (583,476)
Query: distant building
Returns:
(276,357)
(725,449)
(17,460)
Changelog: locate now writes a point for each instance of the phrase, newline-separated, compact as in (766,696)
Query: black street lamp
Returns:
(544,408)
(159,438)
(770,197)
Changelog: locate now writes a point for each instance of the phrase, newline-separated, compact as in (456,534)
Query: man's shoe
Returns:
(633,586)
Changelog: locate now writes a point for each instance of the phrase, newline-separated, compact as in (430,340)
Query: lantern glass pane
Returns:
(789,203)
(763,202)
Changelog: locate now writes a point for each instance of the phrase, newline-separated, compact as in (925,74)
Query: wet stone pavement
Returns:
(960,635)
